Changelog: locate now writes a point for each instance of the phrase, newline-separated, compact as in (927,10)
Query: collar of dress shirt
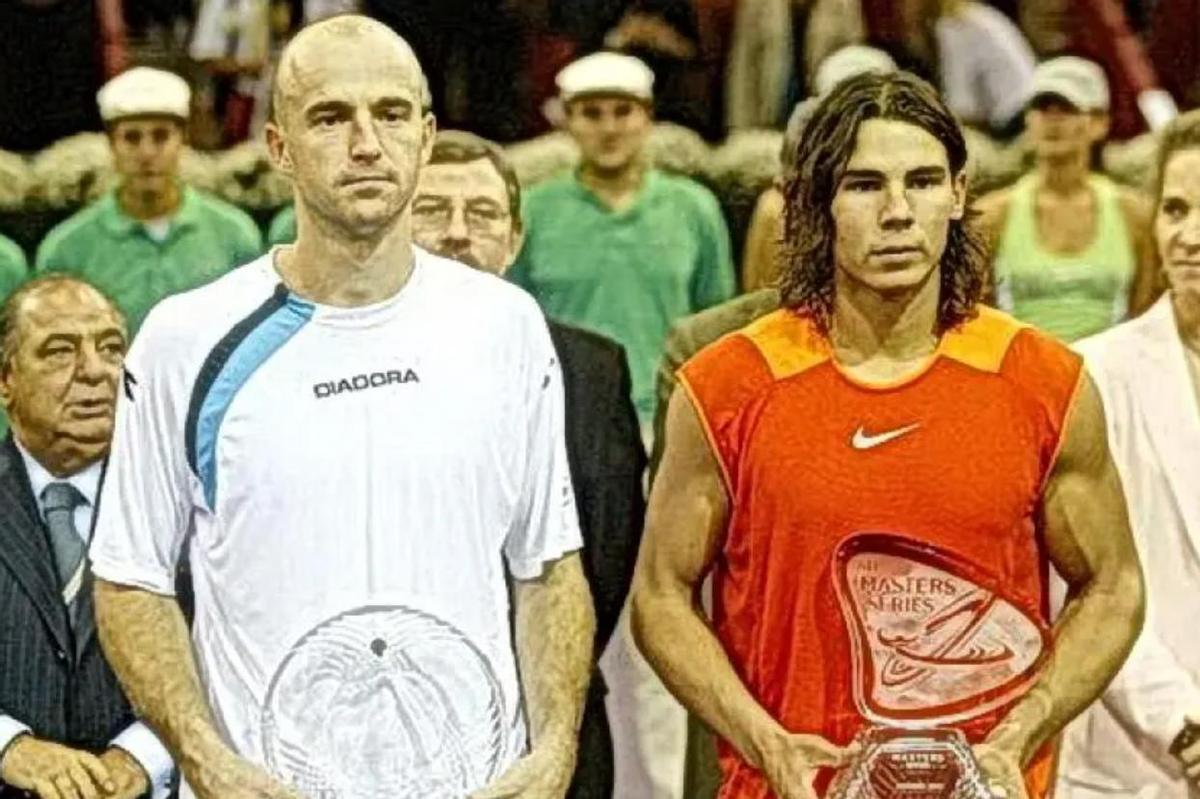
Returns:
(87,481)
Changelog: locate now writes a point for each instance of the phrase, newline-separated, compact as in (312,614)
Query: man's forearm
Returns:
(146,641)
(677,641)
(555,627)
(1092,638)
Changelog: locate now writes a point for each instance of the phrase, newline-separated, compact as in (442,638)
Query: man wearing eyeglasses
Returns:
(468,207)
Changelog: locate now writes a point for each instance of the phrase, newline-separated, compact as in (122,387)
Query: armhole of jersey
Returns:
(709,435)
(1064,426)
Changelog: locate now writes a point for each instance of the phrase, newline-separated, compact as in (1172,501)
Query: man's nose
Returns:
(93,367)
(457,228)
(364,141)
(897,211)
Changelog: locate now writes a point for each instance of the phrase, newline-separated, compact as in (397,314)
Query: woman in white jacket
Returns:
(1148,374)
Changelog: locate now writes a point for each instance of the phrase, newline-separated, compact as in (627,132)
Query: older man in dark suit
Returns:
(467,207)
(66,729)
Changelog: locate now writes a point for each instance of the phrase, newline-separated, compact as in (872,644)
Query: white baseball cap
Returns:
(1080,82)
(605,73)
(143,91)
(854,59)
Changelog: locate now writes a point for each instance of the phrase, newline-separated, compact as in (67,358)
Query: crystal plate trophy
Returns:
(933,644)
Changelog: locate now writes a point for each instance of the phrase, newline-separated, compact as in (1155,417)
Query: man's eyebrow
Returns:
(54,338)
(928,172)
(862,174)
(392,101)
(111,331)
(325,106)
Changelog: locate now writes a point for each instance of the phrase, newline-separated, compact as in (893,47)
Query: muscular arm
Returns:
(146,641)
(1089,541)
(555,627)
(685,526)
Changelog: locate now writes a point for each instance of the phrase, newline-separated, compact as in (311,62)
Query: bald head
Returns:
(345,40)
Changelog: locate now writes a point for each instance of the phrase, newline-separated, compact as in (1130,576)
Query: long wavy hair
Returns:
(807,283)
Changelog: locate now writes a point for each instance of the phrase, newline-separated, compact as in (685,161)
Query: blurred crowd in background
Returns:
(721,65)
(164,184)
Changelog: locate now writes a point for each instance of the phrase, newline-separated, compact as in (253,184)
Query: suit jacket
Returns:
(61,687)
(604,449)
(1118,747)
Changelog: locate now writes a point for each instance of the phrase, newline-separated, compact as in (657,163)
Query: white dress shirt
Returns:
(137,739)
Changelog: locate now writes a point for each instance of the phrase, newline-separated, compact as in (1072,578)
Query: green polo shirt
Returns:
(114,252)
(13,271)
(626,274)
(282,229)
(13,267)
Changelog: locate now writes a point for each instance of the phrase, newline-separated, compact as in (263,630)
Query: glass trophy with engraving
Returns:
(932,645)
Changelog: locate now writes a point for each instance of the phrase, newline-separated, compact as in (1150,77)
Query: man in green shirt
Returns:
(616,247)
(152,236)
(13,271)
(282,229)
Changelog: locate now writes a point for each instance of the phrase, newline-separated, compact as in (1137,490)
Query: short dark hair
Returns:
(10,311)
(461,147)
(826,145)
(1182,134)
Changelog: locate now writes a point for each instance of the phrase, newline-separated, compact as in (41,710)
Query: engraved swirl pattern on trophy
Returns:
(385,702)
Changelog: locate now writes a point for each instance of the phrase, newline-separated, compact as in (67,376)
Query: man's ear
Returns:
(277,149)
(1100,124)
(5,386)
(429,136)
(959,187)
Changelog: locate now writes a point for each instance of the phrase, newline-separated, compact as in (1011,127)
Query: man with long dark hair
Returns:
(880,476)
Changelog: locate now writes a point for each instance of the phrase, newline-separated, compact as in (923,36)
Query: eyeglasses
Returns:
(438,213)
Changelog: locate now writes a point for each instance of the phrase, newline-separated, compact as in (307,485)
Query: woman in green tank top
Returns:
(1071,249)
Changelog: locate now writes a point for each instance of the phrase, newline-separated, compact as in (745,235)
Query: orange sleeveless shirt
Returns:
(953,459)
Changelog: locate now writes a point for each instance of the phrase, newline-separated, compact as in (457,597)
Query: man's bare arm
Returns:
(146,641)
(555,627)
(1090,544)
(685,527)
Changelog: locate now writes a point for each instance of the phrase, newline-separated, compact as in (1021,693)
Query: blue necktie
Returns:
(59,500)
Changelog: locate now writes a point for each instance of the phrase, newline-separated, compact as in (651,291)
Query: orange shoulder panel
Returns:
(788,343)
(983,342)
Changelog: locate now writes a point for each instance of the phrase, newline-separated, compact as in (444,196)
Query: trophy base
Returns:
(911,764)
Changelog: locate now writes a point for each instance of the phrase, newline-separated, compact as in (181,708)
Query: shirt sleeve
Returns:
(546,525)
(1152,696)
(145,503)
(10,730)
(713,281)
(143,746)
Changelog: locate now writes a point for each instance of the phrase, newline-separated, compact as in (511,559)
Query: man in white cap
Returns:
(152,236)
(1071,249)
(616,246)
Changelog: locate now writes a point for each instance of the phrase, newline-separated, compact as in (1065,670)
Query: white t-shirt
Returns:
(354,482)
(986,65)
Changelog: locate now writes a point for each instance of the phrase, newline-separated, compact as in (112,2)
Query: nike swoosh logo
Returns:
(860,440)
